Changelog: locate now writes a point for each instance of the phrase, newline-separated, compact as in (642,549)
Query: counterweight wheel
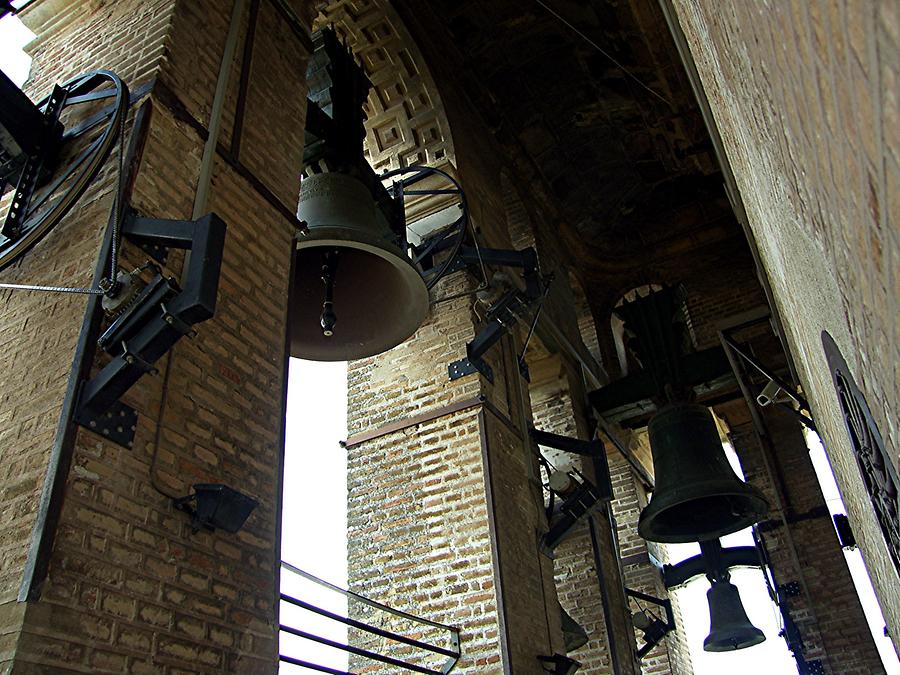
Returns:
(92,109)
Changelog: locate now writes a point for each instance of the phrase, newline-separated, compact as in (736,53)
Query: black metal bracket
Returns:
(593,448)
(504,313)
(718,563)
(117,423)
(575,509)
(587,496)
(160,315)
(733,347)
(791,589)
(657,629)
(43,138)
(466,366)
(158,252)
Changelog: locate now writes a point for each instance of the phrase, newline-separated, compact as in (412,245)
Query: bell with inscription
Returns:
(698,496)
(355,292)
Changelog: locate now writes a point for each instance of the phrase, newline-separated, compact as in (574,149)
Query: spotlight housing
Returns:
(215,506)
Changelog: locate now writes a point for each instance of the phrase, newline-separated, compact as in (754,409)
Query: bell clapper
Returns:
(329,318)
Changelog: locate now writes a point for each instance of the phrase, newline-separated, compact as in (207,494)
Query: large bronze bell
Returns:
(697,494)
(356,292)
(729,627)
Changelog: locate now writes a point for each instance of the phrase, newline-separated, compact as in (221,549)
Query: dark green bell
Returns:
(729,626)
(697,494)
(374,296)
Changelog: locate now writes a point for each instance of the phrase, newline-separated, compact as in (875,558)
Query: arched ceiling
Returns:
(405,119)
(631,173)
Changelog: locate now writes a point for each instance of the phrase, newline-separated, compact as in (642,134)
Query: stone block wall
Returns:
(803,98)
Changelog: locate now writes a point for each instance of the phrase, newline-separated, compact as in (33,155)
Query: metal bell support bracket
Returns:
(506,311)
(586,497)
(657,629)
(154,321)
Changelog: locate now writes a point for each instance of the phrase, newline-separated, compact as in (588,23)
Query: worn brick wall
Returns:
(803,96)
(39,331)
(130,587)
(827,610)
(406,546)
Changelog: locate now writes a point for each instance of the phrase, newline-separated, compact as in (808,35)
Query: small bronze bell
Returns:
(729,627)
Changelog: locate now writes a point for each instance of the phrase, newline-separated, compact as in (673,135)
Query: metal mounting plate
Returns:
(117,423)
(158,252)
(466,366)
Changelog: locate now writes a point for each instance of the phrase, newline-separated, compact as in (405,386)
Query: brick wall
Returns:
(39,331)
(672,654)
(802,95)
(129,586)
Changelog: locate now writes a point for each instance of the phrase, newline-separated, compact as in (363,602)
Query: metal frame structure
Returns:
(659,627)
(504,313)
(452,654)
(156,319)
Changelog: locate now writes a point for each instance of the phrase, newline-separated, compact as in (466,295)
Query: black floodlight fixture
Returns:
(562,665)
(214,506)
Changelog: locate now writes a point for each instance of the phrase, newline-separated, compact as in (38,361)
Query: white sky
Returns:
(314,519)
(314,523)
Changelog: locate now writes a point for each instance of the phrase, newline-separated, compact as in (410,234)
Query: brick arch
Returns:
(406,123)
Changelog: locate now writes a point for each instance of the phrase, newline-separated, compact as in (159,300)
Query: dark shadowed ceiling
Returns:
(631,171)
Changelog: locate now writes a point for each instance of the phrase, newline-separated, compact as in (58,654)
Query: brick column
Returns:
(121,583)
(672,655)
(444,511)
(554,388)
(805,553)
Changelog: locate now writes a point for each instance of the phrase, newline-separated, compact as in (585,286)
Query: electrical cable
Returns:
(604,52)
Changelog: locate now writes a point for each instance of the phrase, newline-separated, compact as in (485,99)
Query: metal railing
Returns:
(451,651)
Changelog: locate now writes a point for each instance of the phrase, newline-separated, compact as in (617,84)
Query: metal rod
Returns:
(215,116)
(768,457)
(52,289)
(312,666)
(361,625)
(358,651)
(785,387)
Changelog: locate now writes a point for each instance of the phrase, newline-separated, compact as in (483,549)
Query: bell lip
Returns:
(753,636)
(752,639)
(756,501)
(328,235)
